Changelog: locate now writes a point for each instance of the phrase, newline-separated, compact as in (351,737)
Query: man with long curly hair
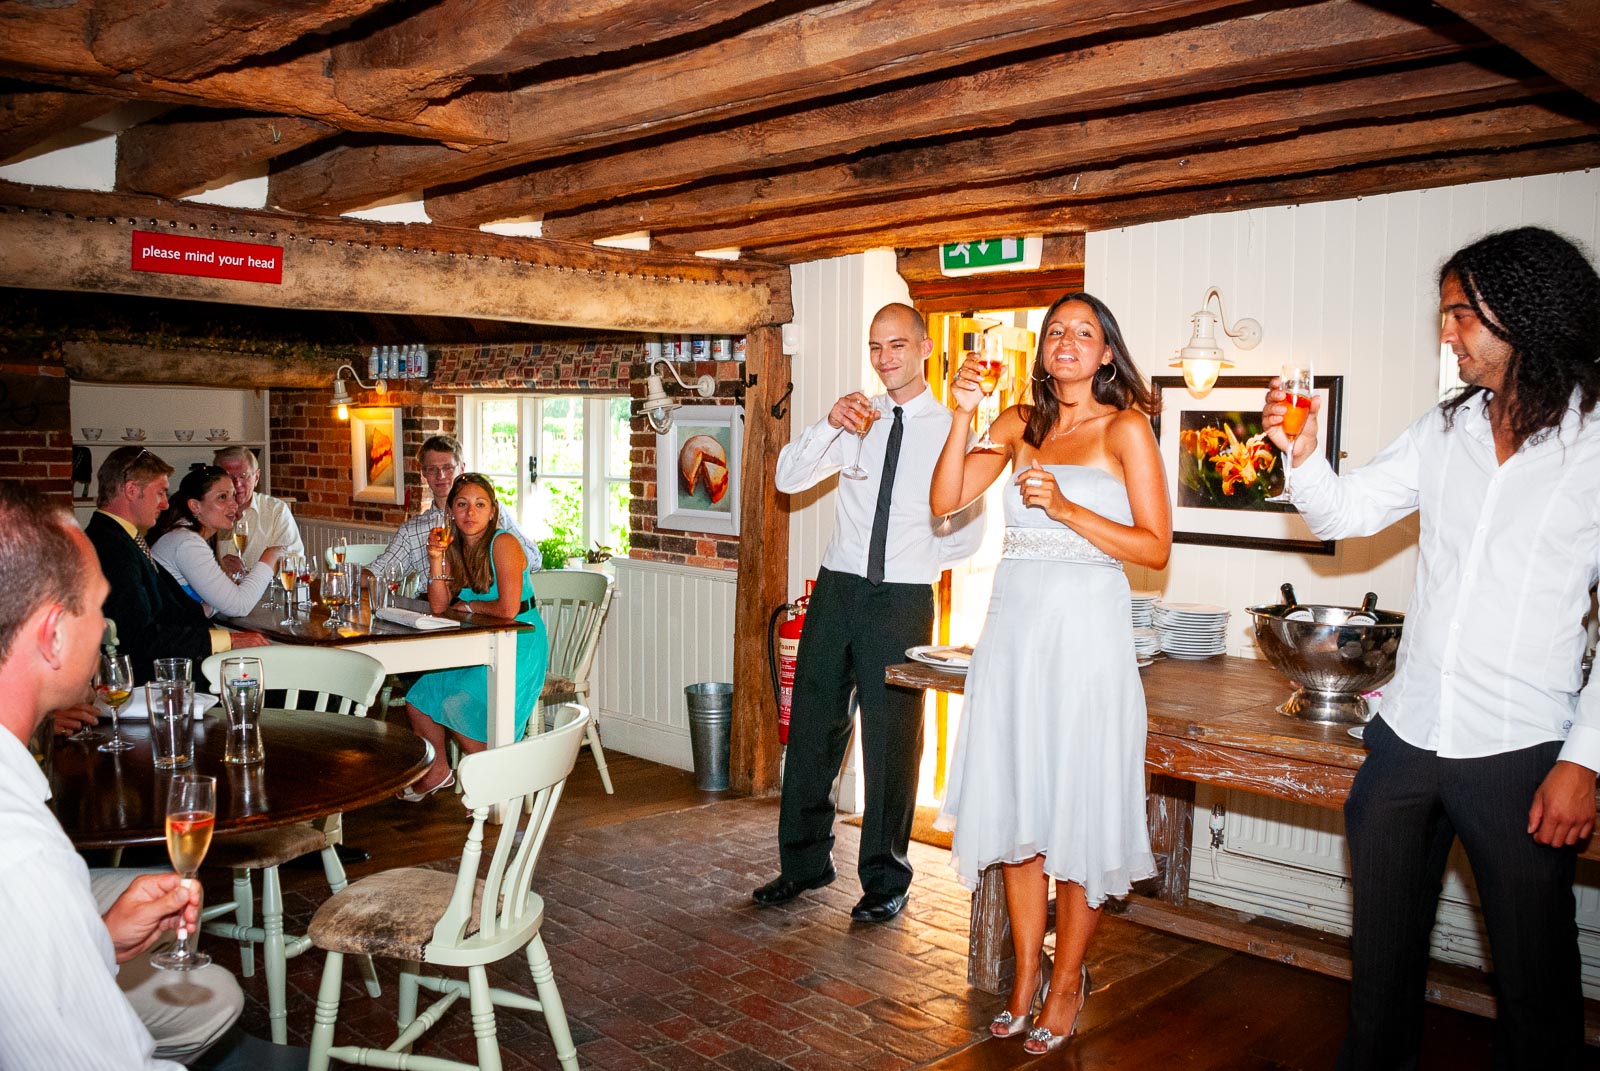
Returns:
(1487,732)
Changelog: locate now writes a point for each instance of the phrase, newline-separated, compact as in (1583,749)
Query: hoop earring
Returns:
(1112,378)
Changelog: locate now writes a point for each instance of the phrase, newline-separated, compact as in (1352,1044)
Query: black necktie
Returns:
(880,519)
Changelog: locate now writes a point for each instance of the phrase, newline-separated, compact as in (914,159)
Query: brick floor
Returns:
(663,962)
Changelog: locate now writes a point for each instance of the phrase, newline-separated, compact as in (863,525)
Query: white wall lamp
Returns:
(1202,358)
(658,407)
(341,401)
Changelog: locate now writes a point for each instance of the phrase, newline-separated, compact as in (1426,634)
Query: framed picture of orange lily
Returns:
(1224,477)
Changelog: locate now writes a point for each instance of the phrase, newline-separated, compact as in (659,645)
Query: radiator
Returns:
(319,534)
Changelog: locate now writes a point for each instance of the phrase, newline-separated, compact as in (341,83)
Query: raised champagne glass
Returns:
(855,471)
(116,688)
(1297,384)
(241,538)
(991,368)
(443,536)
(191,817)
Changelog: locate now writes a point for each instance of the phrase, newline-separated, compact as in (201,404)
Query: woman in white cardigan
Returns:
(180,542)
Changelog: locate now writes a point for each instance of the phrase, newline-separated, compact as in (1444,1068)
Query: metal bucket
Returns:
(710,725)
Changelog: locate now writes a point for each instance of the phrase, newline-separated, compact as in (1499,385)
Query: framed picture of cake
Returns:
(697,470)
(375,456)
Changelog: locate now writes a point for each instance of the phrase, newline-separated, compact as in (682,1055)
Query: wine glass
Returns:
(241,537)
(191,816)
(855,471)
(1298,386)
(116,688)
(991,367)
(335,593)
(341,549)
(443,536)
(289,567)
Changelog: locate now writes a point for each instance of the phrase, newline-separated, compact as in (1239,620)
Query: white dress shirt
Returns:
(920,544)
(59,1002)
(190,561)
(1490,660)
(271,525)
(407,551)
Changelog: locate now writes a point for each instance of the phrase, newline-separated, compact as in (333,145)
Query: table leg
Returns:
(1170,809)
(502,693)
(990,959)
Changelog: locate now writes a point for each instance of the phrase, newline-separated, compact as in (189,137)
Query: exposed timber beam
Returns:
(832,49)
(1336,185)
(1299,42)
(1363,143)
(28,117)
(182,152)
(1043,148)
(79,241)
(1561,37)
(112,362)
(138,35)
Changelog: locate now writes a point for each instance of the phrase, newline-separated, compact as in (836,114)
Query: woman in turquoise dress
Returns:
(466,560)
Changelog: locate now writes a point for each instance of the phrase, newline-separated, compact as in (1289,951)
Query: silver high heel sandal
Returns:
(1042,1040)
(1006,1025)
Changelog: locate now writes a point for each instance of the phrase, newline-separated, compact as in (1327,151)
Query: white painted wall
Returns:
(1351,284)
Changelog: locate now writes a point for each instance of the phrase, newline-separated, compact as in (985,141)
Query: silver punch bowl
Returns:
(1330,660)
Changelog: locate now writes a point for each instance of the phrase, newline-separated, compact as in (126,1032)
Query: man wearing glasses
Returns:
(440,462)
(271,523)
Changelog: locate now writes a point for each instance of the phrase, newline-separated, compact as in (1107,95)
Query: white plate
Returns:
(943,655)
(1191,607)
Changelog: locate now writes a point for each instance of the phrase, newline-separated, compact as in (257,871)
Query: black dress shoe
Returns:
(874,908)
(781,890)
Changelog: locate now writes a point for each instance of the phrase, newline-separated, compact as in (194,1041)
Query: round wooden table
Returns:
(316,764)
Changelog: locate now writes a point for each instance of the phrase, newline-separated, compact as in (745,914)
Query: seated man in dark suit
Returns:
(155,617)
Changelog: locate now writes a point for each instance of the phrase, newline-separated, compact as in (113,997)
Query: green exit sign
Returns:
(990,254)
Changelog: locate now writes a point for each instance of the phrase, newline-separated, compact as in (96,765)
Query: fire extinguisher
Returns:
(783,650)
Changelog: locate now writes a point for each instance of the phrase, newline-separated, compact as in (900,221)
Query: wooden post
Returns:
(1170,809)
(763,569)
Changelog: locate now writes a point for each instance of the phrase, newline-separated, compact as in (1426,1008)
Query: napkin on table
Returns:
(413,619)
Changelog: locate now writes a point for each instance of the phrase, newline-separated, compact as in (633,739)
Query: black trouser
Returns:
(854,630)
(1405,809)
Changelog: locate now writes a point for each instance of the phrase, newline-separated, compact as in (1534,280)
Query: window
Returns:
(560,464)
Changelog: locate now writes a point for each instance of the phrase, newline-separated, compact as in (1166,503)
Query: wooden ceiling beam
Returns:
(1560,37)
(182,152)
(138,36)
(830,50)
(30,116)
(1335,185)
(1042,148)
(1346,146)
(1300,42)
(80,241)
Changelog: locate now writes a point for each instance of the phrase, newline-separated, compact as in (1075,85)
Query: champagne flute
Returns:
(116,688)
(241,537)
(335,593)
(191,817)
(1298,386)
(289,567)
(443,536)
(855,471)
(991,367)
(341,549)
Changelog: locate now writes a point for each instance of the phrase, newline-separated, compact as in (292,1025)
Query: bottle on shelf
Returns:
(374,364)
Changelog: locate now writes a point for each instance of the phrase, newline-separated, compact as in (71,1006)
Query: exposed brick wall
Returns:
(35,426)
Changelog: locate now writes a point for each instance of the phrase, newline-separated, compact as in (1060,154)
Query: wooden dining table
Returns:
(481,640)
(316,764)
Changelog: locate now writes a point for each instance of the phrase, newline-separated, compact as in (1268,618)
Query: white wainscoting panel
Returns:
(318,534)
(669,626)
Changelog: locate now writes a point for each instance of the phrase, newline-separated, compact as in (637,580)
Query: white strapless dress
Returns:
(1049,758)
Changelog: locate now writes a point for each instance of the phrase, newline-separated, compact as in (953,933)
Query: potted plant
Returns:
(595,560)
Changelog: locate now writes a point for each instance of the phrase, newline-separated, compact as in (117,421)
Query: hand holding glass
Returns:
(241,536)
(191,817)
(1298,387)
(116,688)
(855,471)
(990,369)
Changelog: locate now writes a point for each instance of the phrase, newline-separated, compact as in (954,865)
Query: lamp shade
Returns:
(1201,358)
(657,406)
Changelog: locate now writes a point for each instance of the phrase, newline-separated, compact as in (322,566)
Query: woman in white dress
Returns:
(1047,777)
(180,541)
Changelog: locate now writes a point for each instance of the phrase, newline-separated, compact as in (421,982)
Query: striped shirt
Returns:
(408,550)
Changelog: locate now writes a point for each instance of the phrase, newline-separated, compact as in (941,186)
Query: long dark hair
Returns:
(1538,293)
(195,485)
(1122,387)
(474,566)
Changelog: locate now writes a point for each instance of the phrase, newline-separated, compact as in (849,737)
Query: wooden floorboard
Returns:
(664,963)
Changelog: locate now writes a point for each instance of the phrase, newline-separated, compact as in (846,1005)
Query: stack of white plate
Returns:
(1146,644)
(1191,629)
(1143,603)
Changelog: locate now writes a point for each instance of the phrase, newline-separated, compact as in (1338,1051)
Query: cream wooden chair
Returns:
(573,604)
(456,920)
(312,678)
(356,554)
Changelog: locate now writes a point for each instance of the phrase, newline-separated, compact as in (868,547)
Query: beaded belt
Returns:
(1054,545)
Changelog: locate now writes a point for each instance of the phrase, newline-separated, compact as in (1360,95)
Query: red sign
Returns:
(177,254)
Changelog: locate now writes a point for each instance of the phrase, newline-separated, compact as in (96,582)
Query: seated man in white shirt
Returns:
(59,998)
(271,523)
(441,462)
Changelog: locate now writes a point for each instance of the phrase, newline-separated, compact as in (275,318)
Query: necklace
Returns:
(1060,433)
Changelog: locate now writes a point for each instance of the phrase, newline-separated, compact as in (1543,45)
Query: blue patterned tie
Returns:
(880,519)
